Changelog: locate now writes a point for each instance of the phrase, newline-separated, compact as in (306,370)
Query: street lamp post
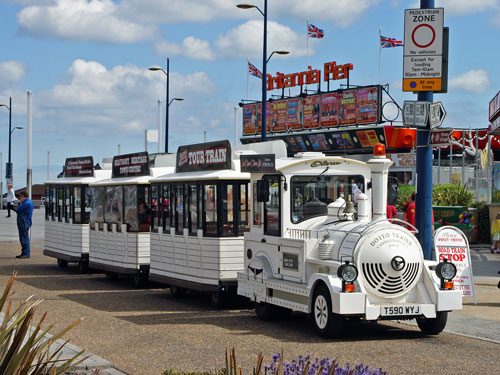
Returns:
(167,101)
(265,59)
(8,171)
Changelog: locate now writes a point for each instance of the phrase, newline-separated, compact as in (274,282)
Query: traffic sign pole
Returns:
(423,203)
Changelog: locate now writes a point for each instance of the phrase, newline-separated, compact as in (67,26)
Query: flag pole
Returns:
(248,64)
(379,52)
(307,41)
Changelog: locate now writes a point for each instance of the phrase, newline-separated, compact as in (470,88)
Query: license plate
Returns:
(400,310)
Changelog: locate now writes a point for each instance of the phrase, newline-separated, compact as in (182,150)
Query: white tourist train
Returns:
(304,233)
(67,211)
(320,243)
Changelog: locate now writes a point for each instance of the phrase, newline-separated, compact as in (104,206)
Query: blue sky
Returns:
(86,62)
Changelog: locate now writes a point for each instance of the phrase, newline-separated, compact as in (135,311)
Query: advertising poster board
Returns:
(295,114)
(329,110)
(129,165)
(249,119)
(367,138)
(318,142)
(279,116)
(367,105)
(79,167)
(269,116)
(451,243)
(296,143)
(312,111)
(348,108)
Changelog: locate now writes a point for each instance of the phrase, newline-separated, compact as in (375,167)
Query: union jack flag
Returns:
(314,31)
(389,42)
(253,71)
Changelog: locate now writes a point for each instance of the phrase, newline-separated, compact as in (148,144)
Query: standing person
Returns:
(410,210)
(11,198)
(24,215)
(495,231)
(391,212)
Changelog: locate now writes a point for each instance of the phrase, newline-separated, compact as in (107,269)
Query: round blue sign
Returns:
(413,84)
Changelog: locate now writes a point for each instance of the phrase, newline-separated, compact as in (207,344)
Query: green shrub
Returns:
(451,195)
(404,192)
(25,350)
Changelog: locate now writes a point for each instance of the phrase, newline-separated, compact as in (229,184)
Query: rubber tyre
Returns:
(327,323)
(433,326)
(62,263)
(266,311)
(140,279)
(111,276)
(177,291)
(217,299)
(83,267)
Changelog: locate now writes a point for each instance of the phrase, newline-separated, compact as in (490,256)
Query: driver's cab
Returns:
(297,194)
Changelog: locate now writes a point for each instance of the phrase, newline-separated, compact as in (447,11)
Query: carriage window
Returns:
(87,206)
(114,205)
(68,203)
(97,206)
(130,208)
(193,208)
(244,202)
(155,207)
(312,194)
(210,209)
(273,207)
(53,205)
(165,207)
(178,214)
(143,210)
(227,210)
(257,208)
(60,201)
(77,195)
(47,202)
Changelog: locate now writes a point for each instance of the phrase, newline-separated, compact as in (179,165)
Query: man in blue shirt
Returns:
(24,215)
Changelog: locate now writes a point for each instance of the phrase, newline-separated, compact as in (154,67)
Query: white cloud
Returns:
(96,100)
(11,72)
(475,81)
(81,20)
(465,7)
(246,40)
(191,47)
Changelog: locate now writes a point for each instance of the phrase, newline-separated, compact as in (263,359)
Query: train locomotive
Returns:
(325,247)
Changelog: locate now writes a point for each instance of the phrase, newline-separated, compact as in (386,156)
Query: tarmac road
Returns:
(144,332)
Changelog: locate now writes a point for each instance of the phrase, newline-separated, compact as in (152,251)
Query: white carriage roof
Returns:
(99,174)
(285,163)
(224,174)
(134,180)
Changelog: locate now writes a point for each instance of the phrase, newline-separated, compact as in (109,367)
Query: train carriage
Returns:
(320,243)
(67,211)
(119,242)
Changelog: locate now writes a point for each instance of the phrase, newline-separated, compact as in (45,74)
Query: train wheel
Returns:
(177,291)
(62,263)
(83,267)
(217,299)
(266,311)
(327,323)
(433,326)
(140,279)
(111,276)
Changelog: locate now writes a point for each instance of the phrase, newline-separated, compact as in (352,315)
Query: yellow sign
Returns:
(422,84)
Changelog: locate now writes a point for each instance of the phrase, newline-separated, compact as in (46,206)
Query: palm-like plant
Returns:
(24,349)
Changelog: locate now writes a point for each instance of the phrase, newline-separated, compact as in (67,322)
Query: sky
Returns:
(86,63)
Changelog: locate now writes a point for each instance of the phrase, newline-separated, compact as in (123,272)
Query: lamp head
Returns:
(155,68)
(179,99)
(282,52)
(245,6)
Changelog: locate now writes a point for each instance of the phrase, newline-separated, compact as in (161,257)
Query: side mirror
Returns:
(263,191)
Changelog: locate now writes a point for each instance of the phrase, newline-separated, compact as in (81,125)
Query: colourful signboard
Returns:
(367,105)
(204,156)
(329,110)
(312,111)
(295,114)
(348,107)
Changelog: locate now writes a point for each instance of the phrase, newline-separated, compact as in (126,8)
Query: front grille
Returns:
(381,282)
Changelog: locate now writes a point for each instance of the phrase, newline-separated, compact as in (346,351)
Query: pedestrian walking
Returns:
(24,214)
(495,232)
(11,198)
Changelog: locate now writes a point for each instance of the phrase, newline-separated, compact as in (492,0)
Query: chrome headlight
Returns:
(446,270)
(347,272)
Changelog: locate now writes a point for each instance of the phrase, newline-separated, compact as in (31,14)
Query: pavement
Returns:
(69,294)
